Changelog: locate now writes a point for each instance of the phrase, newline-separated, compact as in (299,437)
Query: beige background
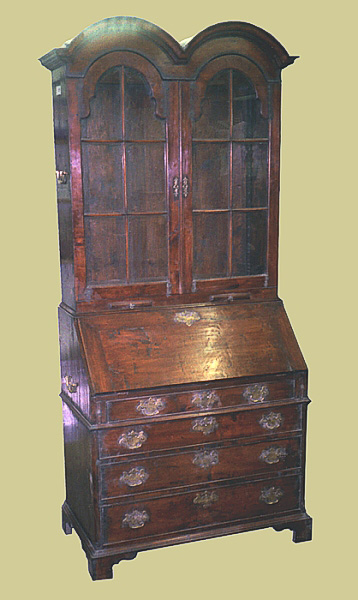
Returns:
(318,244)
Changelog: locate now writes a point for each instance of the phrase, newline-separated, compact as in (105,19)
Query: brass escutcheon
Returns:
(206,458)
(188,317)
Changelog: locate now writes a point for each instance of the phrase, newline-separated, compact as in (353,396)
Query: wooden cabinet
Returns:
(184,389)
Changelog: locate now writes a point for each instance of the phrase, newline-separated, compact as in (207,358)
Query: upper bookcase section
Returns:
(130,33)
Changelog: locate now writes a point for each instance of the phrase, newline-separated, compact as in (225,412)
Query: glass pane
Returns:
(148,248)
(145,177)
(249,242)
(250,167)
(105,119)
(102,177)
(210,175)
(210,245)
(139,109)
(247,120)
(105,249)
(214,120)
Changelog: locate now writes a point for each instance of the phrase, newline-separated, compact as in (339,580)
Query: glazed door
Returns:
(226,160)
(129,147)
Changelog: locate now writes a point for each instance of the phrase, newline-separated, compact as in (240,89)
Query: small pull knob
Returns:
(71,385)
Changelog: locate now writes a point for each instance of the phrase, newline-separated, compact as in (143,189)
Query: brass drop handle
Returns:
(133,438)
(206,459)
(185,186)
(150,406)
(273,455)
(71,385)
(205,425)
(206,400)
(205,499)
(136,476)
(271,495)
(175,187)
(61,177)
(256,393)
(271,421)
(135,519)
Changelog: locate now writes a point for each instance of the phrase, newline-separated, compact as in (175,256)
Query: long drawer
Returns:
(198,466)
(204,508)
(197,400)
(191,431)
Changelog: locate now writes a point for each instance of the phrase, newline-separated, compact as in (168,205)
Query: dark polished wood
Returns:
(184,389)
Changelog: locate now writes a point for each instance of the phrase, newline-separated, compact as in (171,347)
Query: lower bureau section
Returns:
(201,509)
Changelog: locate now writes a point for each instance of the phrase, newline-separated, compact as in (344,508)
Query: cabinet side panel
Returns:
(64,203)
(78,467)
(74,378)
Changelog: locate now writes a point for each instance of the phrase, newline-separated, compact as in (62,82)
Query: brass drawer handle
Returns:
(135,519)
(256,393)
(136,476)
(271,421)
(133,438)
(185,184)
(188,317)
(71,386)
(205,499)
(175,187)
(206,458)
(273,455)
(150,406)
(205,425)
(271,495)
(206,400)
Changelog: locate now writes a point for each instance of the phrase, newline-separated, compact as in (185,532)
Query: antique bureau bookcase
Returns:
(184,390)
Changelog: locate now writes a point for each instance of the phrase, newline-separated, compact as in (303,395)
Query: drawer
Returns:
(198,400)
(204,508)
(181,432)
(198,466)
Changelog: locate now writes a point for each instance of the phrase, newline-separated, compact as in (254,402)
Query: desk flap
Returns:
(167,346)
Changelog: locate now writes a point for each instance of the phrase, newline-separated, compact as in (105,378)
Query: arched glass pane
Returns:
(140,121)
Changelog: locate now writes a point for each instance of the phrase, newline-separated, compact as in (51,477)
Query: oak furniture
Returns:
(184,390)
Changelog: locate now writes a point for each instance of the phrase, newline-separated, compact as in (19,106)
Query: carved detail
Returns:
(271,495)
(256,393)
(150,406)
(271,421)
(135,519)
(133,438)
(205,499)
(206,458)
(273,455)
(205,425)
(188,317)
(206,400)
(136,476)
(71,386)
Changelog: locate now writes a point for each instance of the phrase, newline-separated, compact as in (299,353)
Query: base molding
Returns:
(101,560)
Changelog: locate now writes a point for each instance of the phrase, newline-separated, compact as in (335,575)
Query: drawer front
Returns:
(185,432)
(199,466)
(199,400)
(204,508)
